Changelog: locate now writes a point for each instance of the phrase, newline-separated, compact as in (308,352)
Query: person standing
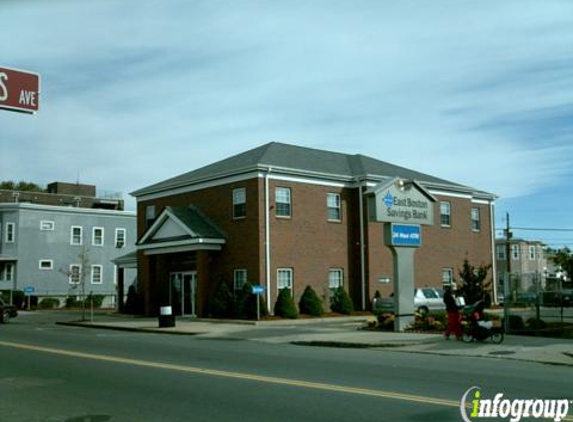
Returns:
(454,325)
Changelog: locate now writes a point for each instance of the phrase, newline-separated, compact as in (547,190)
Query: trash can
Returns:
(166,317)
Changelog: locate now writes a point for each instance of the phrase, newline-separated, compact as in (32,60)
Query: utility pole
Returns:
(506,284)
(508,236)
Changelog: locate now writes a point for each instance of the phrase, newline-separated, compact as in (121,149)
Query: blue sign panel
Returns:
(406,235)
(258,290)
(29,290)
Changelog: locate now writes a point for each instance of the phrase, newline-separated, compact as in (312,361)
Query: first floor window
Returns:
(119,238)
(96,274)
(240,279)
(10,232)
(283,202)
(284,278)
(9,272)
(335,279)
(447,277)
(239,203)
(75,274)
(46,264)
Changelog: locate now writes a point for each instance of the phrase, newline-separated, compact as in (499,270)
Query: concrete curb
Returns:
(129,329)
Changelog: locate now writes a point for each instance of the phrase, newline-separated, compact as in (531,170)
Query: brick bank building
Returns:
(285,216)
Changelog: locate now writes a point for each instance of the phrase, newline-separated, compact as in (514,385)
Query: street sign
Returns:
(258,290)
(19,90)
(29,290)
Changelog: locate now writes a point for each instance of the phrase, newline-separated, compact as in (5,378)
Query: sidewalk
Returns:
(345,332)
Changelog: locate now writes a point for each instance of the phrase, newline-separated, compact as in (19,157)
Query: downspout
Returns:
(493,254)
(362,258)
(267,240)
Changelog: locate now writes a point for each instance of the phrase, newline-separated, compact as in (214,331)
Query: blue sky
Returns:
(134,92)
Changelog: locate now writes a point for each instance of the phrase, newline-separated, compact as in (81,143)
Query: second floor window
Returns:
(501,252)
(239,203)
(119,238)
(10,232)
(76,237)
(445,214)
(532,253)
(333,205)
(476,224)
(97,236)
(515,252)
(283,202)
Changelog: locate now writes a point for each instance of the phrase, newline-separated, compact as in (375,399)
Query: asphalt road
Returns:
(51,373)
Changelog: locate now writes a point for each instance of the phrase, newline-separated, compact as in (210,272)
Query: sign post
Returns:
(403,206)
(19,90)
(29,291)
(258,290)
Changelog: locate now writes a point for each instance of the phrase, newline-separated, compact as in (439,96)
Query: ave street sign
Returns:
(19,90)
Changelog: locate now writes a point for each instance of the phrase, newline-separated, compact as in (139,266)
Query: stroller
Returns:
(475,328)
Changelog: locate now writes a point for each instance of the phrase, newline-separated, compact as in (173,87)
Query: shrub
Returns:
(536,324)
(516,322)
(285,306)
(72,302)
(18,297)
(221,304)
(49,303)
(245,303)
(310,303)
(132,304)
(97,301)
(341,302)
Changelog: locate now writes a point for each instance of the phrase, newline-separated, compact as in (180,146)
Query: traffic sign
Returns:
(29,290)
(19,90)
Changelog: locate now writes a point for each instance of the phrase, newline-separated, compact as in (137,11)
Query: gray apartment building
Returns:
(58,251)
(527,262)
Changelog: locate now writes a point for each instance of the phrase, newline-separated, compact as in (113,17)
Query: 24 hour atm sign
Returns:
(19,90)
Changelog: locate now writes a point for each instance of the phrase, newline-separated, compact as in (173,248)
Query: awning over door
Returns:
(181,229)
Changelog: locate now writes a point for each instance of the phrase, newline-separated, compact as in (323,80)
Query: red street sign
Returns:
(19,90)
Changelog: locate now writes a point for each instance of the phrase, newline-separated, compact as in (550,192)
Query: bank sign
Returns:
(19,90)
(402,201)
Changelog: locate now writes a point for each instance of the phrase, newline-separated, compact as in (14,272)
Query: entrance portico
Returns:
(177,249)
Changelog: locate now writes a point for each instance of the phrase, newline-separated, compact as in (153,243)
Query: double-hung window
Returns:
(119,238)
(97,238)
(239,278)
(333,206)
(335,279)
(9,272)
(284,279)
(10,232)
(515,252)
(97,274)
(445,214)
(76,235)
(476,223)
(447,277)
(283,202)
(500,252)
(531,252)
(75,273)
(239,203)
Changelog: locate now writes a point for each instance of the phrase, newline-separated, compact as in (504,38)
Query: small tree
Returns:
(245,304)
(310,303)
(132,304)
(285,306)
(474,287)
(341,302)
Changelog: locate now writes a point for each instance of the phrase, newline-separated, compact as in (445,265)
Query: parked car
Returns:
(426,299)
(7,311)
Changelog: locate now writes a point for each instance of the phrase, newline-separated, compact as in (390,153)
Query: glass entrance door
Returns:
(184,293)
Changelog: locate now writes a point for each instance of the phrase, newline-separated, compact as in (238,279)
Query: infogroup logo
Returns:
(473,407)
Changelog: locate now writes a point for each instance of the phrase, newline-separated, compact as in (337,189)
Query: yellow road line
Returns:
(242,376)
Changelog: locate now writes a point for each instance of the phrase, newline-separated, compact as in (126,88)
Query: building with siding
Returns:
(285,216)
(53,249)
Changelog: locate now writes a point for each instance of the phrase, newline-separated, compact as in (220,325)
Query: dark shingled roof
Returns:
(291,158)
(198,222)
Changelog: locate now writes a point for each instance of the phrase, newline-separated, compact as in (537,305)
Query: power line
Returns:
(540,229)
